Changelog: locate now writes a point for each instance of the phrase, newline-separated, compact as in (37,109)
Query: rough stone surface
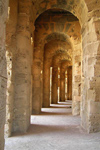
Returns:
(41,34)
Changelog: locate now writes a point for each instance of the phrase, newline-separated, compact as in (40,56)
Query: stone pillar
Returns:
(59,83)
(66,84)
(55,85)
(31,96)
(42,84)
(32,28)
(46,85)
(3,71)
(50,85)
(10,96)
(10,48)
(91,74)
(22,74)
(69,83)
(76,81)
(37,68)
(3,83)
(62,84)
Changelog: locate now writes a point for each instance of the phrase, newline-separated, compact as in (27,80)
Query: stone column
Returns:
(69,83)
(62,84)
(10,95)
(55,85)
(22,74)
(3,82)
(91,75)
(46,85)
(37,68)
(3,71)
(76,81)
(59,82)
(66,84)
(42,71)
(10,48)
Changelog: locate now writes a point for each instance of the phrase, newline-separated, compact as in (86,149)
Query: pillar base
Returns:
(2,141)
(46,106)
(21,125)
(54,103)
(94,117)
(75,108)
(62,101)
(91,120)
(36,112)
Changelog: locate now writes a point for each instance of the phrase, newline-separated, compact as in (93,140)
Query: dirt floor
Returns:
(54,129)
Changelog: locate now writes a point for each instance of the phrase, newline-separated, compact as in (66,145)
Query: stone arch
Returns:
(47,36)
(89,19)
(57,36)
(57,46)
(78,8)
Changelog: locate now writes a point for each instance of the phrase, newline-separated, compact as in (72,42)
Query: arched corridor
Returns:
(49,55)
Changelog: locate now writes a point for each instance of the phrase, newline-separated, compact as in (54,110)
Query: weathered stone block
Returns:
(76,108)
(94,107)
(77,98)
(91,95)
(77,78)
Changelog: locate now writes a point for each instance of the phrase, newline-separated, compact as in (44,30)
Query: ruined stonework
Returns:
(39,35)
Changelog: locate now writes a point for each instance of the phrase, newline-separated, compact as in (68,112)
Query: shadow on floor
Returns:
(55,113)
(64,104)
(60,106)
(60,109)
(36,129)
(45,129)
